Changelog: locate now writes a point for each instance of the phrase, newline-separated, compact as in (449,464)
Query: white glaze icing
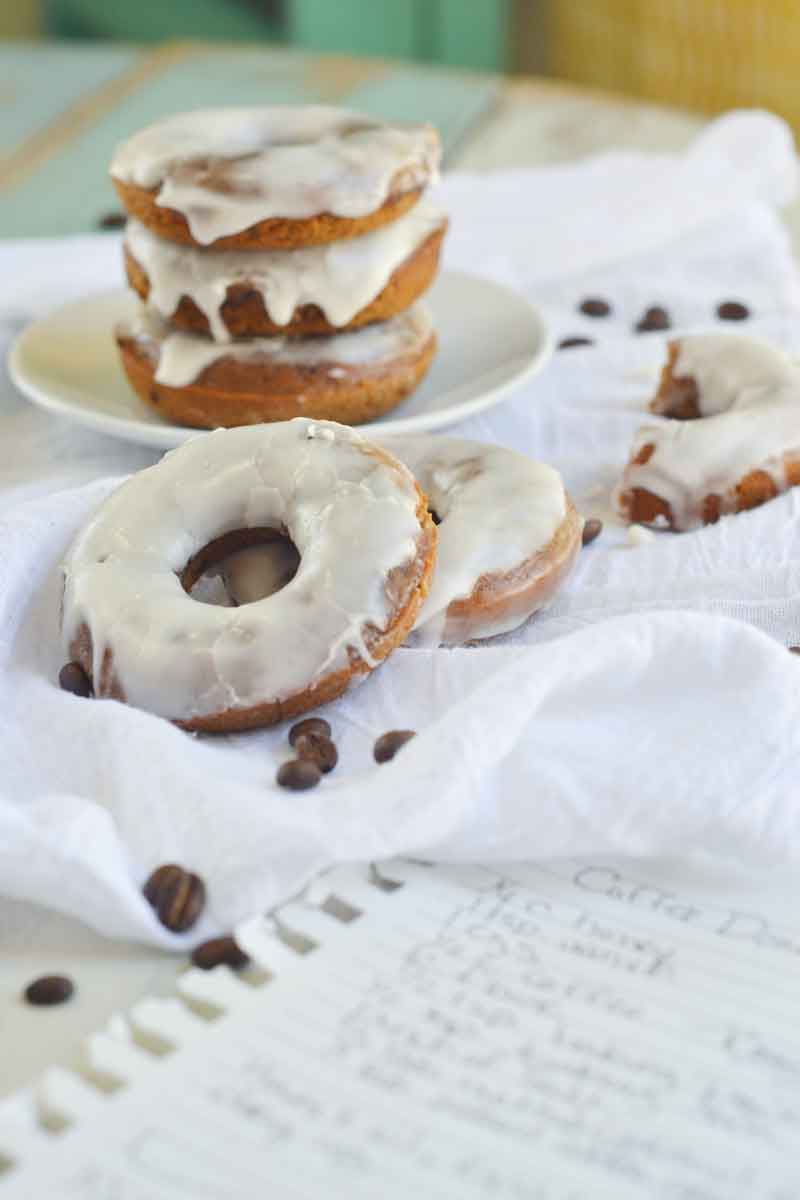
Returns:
(731,370)
(639,535)
(341,278)
(749,398)
(182,357)
(351,516)
(227,169)
(497,509)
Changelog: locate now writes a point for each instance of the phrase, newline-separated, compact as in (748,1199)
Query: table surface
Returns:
(61,109)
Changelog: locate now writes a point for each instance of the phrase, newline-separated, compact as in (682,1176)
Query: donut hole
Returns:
(241,567)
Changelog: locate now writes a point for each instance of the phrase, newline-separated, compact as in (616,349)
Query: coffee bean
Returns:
(112,220)
(73,678)
(594,307)
(318,749)
(310,725)
(794,649)
(389,743)
(49,989)
(220,951)
(177,895)
(732,310)
(568,342)
(591,530)
(299,775)
(654,319)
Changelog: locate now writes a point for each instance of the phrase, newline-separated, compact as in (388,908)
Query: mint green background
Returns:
(70,190)
(469,33)
(39,82)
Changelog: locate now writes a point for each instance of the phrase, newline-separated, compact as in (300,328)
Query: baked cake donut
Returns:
(733,441)
(508,538)
(274,177)
(509,535)
(350,377)
(366,545)
(264,293)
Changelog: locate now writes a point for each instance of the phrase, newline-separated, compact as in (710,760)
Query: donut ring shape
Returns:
(509,535)
(733,440)
(366,544)
(508,538)
(275,177)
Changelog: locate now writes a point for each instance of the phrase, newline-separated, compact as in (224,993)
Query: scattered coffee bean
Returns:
(318,749)
(794,649)
(568,342)
(591,530)
(299,775)
(73,678)
(654,319)
(177,895)
(310,725)
(112,220)
(49,989)
(732,310)
(389,743)
(220,951)
(594,307)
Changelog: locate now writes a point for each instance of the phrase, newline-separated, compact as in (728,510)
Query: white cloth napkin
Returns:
(653,709)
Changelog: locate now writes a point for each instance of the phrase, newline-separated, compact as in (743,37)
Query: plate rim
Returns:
(166,436)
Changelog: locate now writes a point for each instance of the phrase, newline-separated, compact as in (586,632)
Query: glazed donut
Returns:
(508,538)
(350,377)
(366,544)
(734,439)
(509,535)
(272,178)
(317,290)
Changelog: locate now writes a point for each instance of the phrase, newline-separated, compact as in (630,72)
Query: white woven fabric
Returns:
(653,709)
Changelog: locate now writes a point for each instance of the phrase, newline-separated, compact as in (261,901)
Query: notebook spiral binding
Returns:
(131,1046)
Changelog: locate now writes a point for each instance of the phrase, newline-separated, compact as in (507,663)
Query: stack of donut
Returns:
(281,253)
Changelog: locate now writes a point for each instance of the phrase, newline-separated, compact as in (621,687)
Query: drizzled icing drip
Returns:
(748,395)
(340,278)
(227,169)
(351,515)
(182,357)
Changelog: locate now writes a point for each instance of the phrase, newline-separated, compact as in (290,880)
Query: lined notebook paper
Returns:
(584,1030)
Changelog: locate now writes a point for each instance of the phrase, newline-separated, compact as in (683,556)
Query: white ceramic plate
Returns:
(490,340)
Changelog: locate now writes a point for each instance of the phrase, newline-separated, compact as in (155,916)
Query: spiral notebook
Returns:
(581,1030)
